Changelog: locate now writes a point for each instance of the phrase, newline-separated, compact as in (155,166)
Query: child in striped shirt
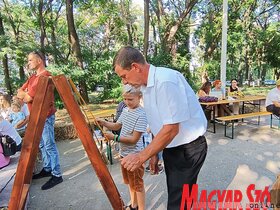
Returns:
(133,123)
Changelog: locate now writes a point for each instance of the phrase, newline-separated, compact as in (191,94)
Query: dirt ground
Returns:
(253,157)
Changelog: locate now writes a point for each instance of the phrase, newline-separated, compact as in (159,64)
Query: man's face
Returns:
(131,77)
(33,62)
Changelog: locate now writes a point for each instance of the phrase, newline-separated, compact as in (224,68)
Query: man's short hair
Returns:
(126,56)
(40,55)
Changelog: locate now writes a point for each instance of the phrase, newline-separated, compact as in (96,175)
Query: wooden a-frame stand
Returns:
(33,135)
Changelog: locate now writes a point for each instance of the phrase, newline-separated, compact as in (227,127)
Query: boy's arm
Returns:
(110,125)
(131,140)
(19,122)
(22,122)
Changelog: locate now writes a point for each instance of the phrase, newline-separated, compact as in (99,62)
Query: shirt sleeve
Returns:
(141,124)
(120,120)
(21,116)
(24,86)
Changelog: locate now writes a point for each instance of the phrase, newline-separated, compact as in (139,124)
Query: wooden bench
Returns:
(231,119)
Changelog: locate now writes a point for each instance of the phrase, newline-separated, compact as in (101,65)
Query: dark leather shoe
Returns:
(54,180)
(42,174)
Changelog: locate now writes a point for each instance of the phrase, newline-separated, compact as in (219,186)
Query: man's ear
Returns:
(137,67)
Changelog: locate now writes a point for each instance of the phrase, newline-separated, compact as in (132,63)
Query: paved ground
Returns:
(253,157)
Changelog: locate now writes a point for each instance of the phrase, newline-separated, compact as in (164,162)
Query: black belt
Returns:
(197,141)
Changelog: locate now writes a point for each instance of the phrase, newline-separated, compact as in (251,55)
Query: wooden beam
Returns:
(30,144)
(23,198)
(88,142)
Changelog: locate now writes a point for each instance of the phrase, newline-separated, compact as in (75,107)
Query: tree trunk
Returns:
(277,73)
(21,73)
(5,62)
(246,61)
(42,26)
(171,30)
(146,28)
(75,45)
(155,38)
(7,75)
(129,33)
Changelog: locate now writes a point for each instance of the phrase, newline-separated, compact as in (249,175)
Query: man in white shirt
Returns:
(175,117)
(272,102)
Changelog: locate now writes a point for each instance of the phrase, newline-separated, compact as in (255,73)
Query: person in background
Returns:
(234,88)
(50,155)
(17,117)
(272,102)
(24,109)
(219,92)
(119,110)
(205,89)
(175,117)
(4,161)
(203,92)
(6,128)
(151,168)
(5,106)
(133,124)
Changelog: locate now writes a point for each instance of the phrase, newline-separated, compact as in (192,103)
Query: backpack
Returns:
(9,145)
(208,99)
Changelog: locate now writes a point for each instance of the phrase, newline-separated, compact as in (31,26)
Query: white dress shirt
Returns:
(273,95)
(169,99)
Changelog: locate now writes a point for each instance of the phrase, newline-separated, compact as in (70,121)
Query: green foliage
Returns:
(162,59)
(253,45)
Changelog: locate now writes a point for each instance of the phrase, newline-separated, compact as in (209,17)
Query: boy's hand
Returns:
(100,121)
(109,136)
(20,93)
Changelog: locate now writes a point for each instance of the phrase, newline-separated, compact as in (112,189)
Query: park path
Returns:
(253,157)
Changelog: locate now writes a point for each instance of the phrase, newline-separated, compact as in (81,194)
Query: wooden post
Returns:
(30,145)
(86,137)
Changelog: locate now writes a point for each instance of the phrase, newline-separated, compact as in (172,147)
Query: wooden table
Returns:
(245,100)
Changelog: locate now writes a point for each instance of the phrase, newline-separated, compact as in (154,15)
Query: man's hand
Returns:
(132,162)
(20,94)
(154,164)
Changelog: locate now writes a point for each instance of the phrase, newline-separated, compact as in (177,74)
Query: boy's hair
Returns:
(128,89)
(17,104)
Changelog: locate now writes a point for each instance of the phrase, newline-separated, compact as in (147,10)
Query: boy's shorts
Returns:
(134,179)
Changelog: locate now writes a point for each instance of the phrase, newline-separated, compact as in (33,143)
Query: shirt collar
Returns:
(151,76)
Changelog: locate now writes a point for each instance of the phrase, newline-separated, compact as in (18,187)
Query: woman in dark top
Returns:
(234,88)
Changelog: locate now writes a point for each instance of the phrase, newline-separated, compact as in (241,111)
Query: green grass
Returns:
(256,90)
